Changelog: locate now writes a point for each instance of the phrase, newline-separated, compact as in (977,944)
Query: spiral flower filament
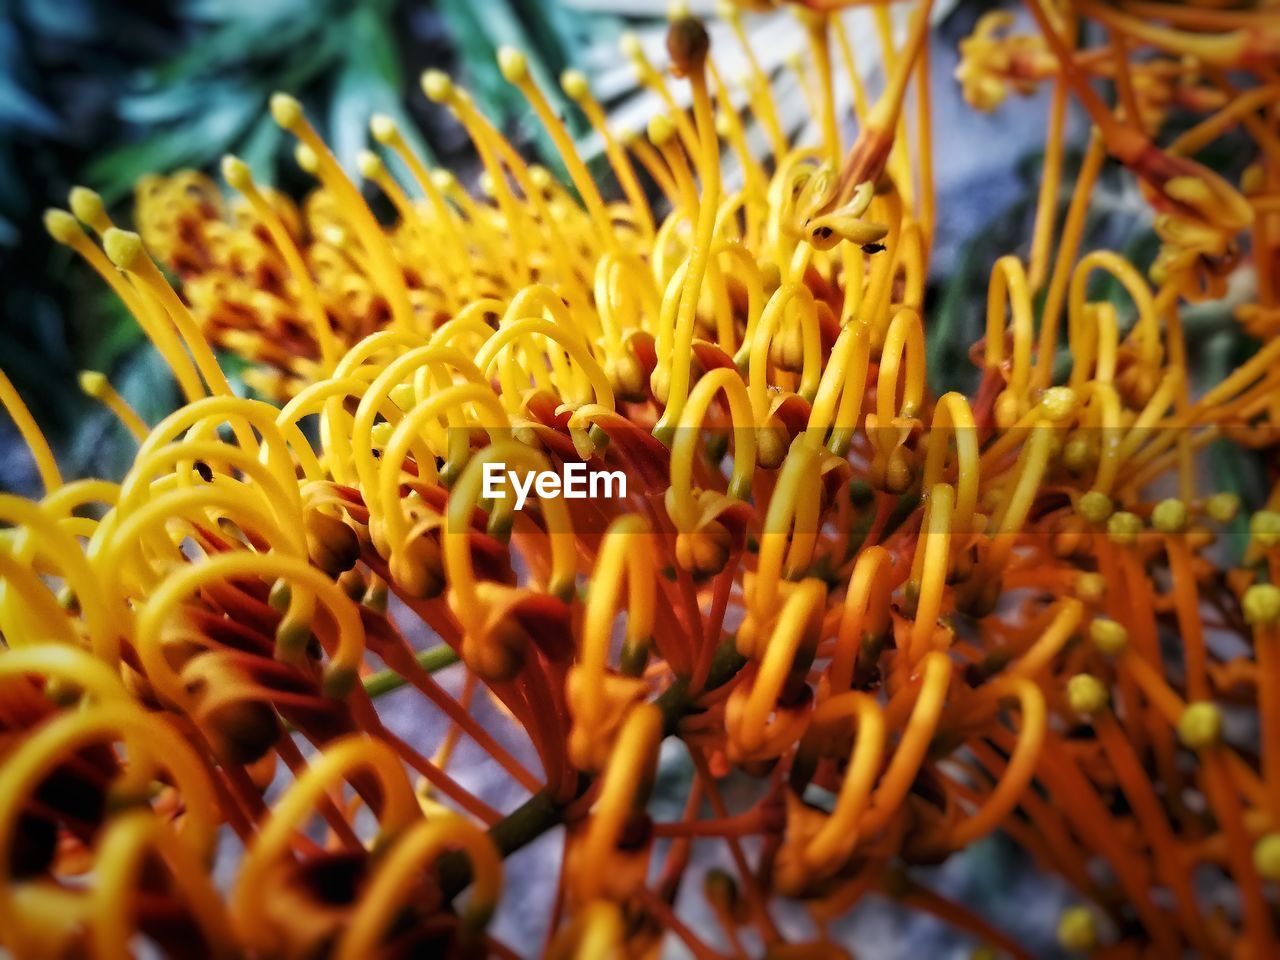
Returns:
(906,621)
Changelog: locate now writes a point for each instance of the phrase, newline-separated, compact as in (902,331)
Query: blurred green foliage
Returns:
(101,93)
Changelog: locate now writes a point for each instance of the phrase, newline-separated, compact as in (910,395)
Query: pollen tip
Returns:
(383,128)
(87,205)
(1095,506)
(575,85)
(124,247)
(1261,604)
(1077,929)
(93,384)
(286,110)
(62,226)
(513,64)
(1222,507)
(437,86)
(370,165)
(443,180)
(1200,725)
(236,172)
(306,158)
(661,129)
(1086,694)
(1109,636)
(1169,516)
(1266,856)
(630,46)
(726,10)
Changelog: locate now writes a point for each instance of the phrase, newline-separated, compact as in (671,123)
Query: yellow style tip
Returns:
(124,248)
(93,384)
(383,129)
(236,172)
(1200,725)
(87,205)
(513,64)
(1086,694)
(62,226)
(286,110)
(437,86)
(370,165)
(1261,604)
(661,129)
(1077,929)
(575,86)
(306,158)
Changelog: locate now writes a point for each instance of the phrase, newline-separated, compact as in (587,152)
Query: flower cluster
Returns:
(908,621)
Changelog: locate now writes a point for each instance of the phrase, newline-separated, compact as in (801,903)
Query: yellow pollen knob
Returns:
(1077,929)
(1266,856)
(370,165)
(286,110)
(93,384)
(513,64)
(1200,725)
(630,46)
(1109,636)
(1265,527)
(574,84)
(1086,694)
(443,180)
(1095,506)
(1058,403)
(437,86)
(1223,507)
(1261,603)
(306,158)
(88,207)
(236,172)
(62,226)
(383,128)
(1091,586)
(124,248)
(661,129)
(1123,528)
(1169,516)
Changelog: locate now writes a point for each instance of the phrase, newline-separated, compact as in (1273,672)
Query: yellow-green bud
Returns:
(1095,506)
(1109,636)
(1266,856)
(1222,507)
(1169,516)
(1265,527)
(1090,586)
(1261,603)
(1200,725)
(1058,403)
(1077,929)
(1086,694)
(1123,528)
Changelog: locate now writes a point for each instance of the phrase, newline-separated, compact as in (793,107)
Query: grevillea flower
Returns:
(898,622)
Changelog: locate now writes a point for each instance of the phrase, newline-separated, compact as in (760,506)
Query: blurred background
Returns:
(101,92)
